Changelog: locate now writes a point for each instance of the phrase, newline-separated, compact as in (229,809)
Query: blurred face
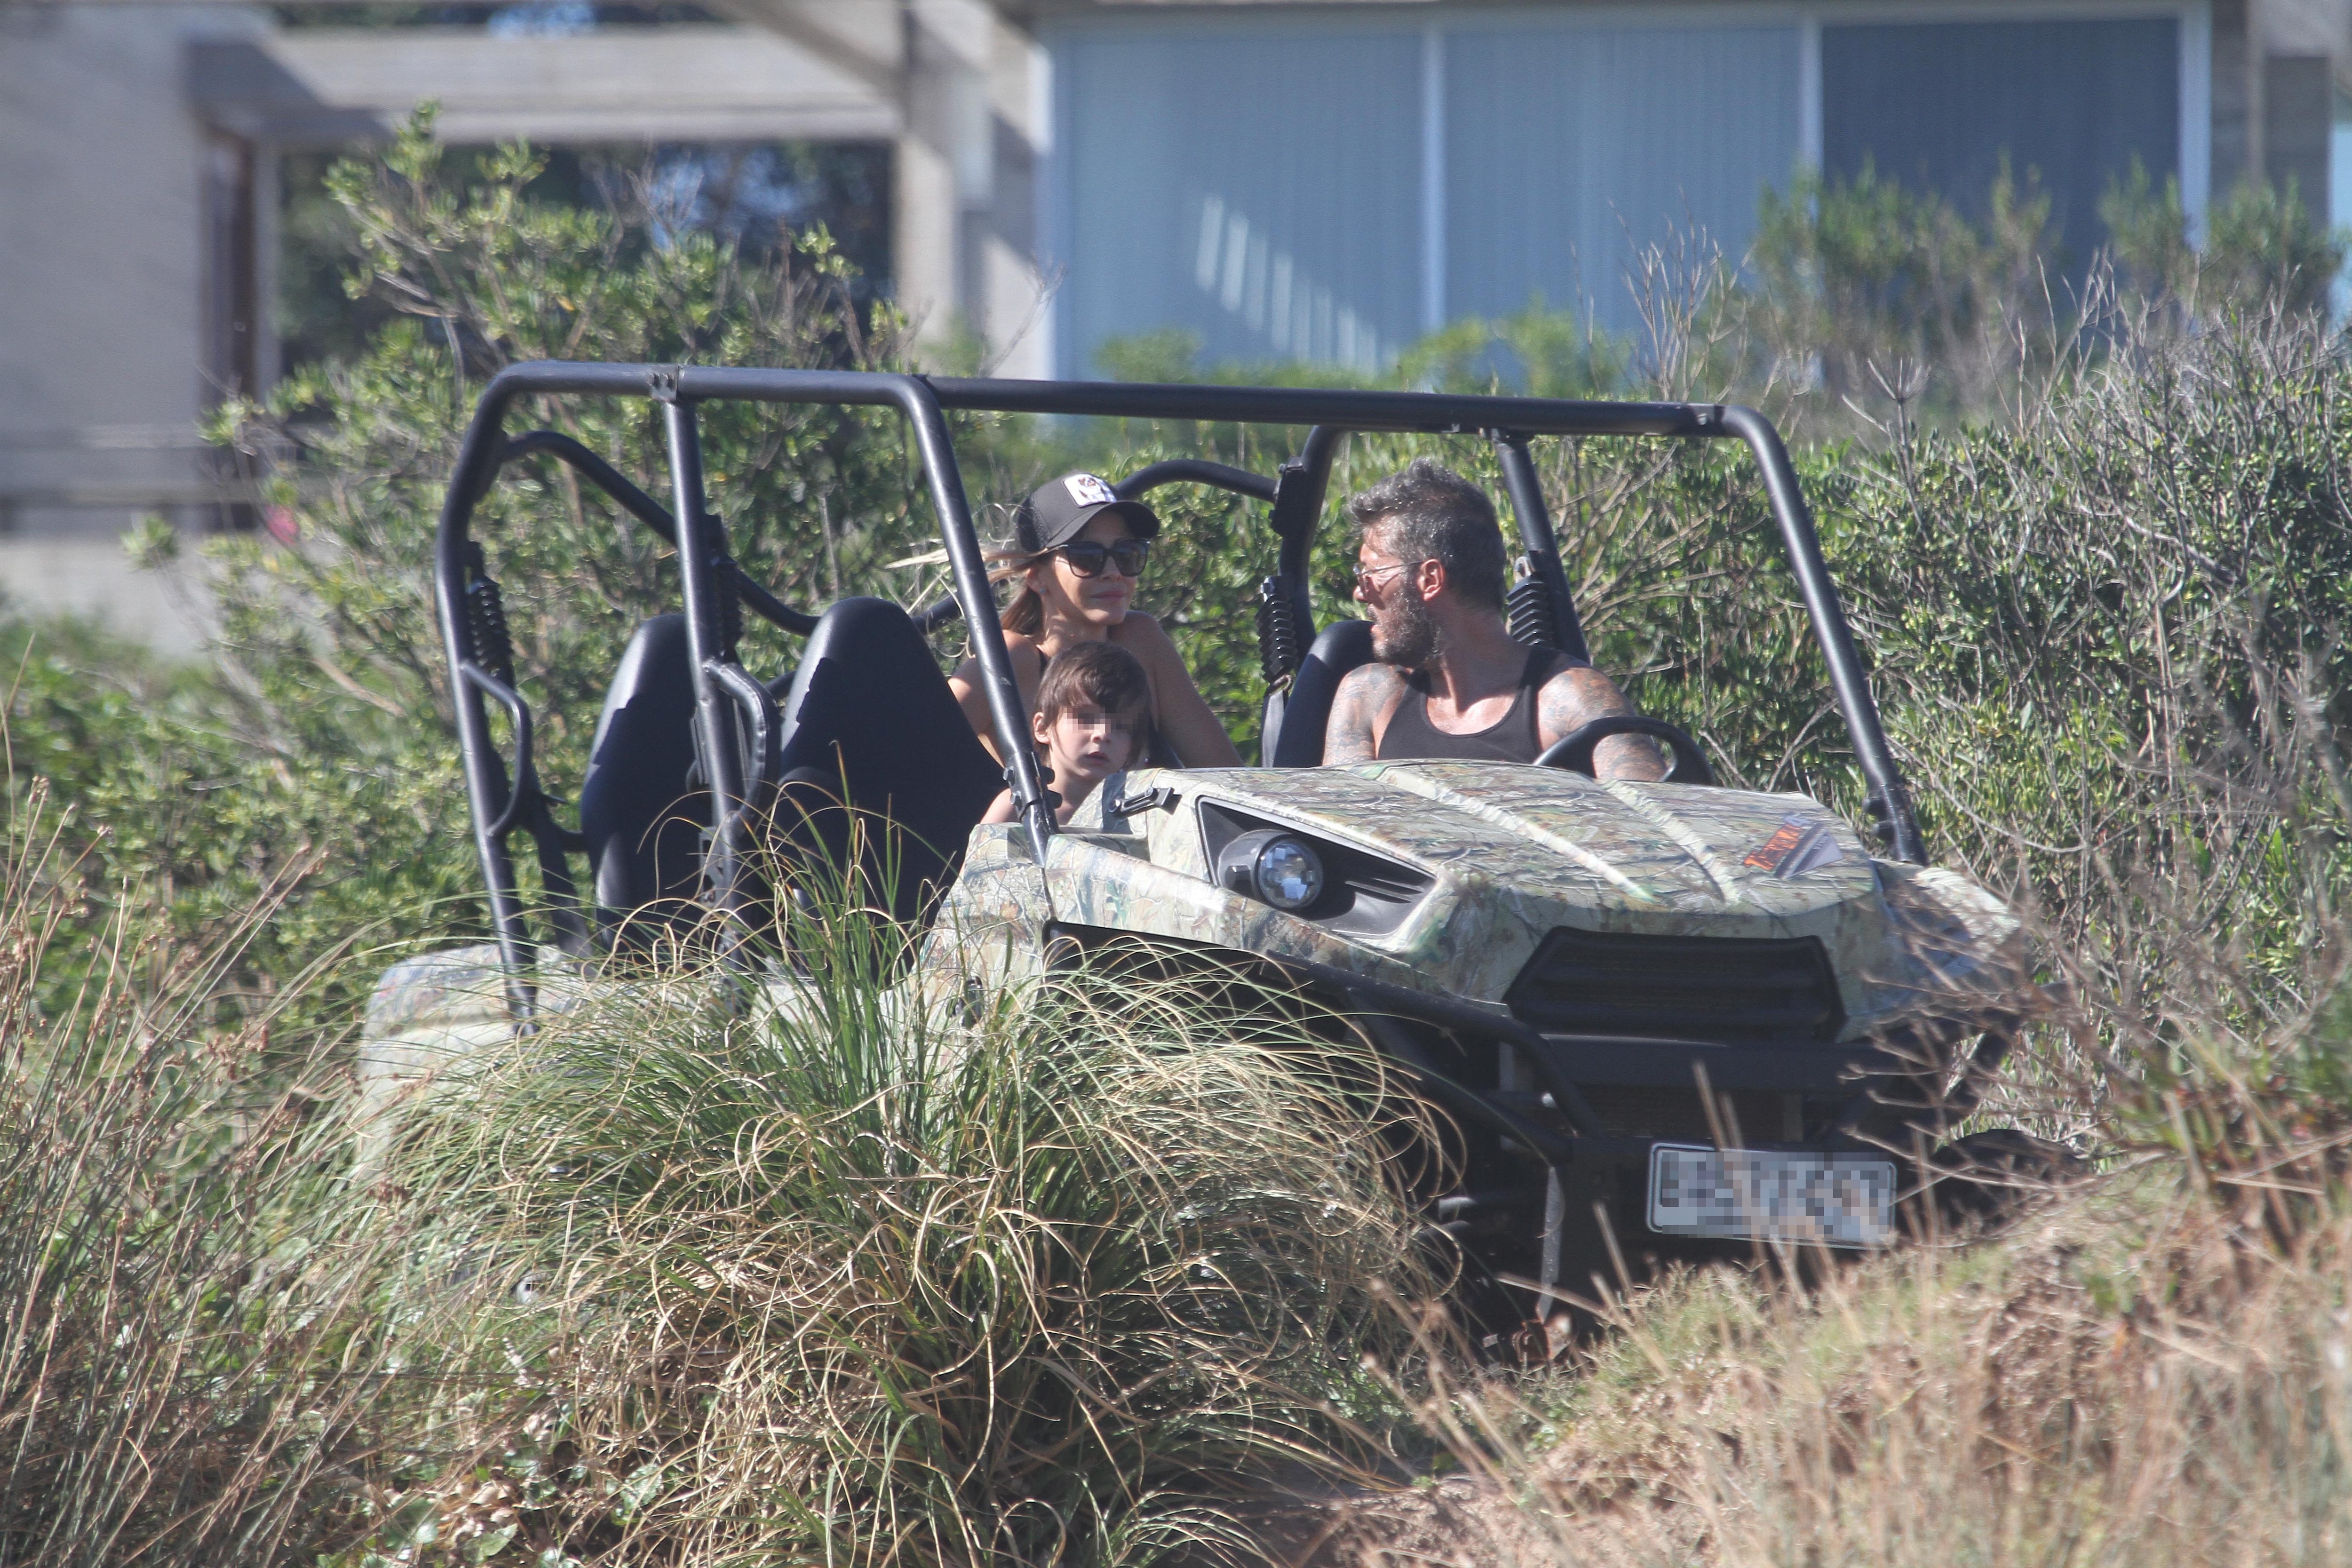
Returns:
(1086,745)
(1389,589)
(1102,600)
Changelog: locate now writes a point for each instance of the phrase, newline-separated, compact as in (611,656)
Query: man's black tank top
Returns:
(1512,738)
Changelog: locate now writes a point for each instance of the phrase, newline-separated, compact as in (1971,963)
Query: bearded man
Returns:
(1449,682)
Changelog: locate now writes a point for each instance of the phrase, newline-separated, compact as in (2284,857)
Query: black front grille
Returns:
(1727,990)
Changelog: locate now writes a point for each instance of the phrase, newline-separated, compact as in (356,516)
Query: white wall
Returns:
(102,239)
(102,281)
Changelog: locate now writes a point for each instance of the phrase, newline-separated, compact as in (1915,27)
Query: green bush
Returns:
(2264,251)
(1865,289)
(181,795)
(360,453)
(313,759)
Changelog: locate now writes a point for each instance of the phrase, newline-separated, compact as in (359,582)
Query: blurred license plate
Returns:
(1837,1200)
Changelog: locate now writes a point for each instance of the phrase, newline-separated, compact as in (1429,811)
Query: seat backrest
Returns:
(643,820)
(870,724)
(1293,730)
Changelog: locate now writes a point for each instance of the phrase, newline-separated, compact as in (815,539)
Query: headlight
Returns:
(1274,868)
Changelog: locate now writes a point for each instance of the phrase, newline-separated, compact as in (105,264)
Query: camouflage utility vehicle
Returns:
(1673,1016)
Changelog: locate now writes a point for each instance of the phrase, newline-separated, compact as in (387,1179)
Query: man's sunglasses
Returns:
(1087,558)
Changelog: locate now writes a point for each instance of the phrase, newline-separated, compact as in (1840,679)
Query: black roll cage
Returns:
(737,714)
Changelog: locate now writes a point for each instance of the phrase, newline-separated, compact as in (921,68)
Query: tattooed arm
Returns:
(1574,698)
(1368,694)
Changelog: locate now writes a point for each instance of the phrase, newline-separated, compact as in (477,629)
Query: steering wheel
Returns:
(1574,751)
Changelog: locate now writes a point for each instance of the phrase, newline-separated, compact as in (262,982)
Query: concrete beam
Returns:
(2237,103)
(2305,27)
(867,38)
(324,87)
(966,184)
(105,354)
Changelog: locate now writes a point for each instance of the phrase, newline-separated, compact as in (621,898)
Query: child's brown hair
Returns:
(1102,673)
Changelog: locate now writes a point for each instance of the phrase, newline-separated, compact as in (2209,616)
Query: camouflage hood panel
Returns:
(1611,848)
(1513,852)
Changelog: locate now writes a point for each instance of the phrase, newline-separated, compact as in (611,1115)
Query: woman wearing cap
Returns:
(1079,551)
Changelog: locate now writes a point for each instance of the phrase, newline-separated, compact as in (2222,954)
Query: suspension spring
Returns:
(1278,651)
(729,578)
(486,617)
(1527,611)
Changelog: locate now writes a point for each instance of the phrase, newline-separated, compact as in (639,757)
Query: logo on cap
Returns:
(1088,490)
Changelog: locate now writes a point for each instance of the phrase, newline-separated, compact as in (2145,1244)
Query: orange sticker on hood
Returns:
(1769,855)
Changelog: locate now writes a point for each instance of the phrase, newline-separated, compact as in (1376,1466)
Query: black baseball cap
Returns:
(1056,510)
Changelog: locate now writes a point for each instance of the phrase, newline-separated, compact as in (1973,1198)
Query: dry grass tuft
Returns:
(1072,1286)
(190,1371)
(2139,1375)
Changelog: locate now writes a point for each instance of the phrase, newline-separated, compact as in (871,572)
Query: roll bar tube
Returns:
(1890,796)
(1198,471)
(714,705)
(1438,413)
(650,513)
(1295,493)
(1298,492)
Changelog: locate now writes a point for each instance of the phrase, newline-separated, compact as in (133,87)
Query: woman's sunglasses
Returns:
(1087,558)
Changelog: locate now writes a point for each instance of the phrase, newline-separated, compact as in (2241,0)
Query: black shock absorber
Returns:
(728,578)
(486,617)
(730,608)
(1279,652)
(1527,610)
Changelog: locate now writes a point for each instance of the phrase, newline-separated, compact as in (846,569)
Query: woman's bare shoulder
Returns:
(1019,645)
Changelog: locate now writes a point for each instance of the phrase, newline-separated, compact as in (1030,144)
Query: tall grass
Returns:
(696,1274)
(2134,1380)
(189,1368)
(808,1276)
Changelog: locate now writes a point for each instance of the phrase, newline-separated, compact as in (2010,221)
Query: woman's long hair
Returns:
(1026,613)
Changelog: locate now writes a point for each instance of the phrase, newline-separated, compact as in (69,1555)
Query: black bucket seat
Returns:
(642,808)
(873,734)
(1294,737)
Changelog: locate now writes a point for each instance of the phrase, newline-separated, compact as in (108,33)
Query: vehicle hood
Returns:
(1622,853)
(1515,852)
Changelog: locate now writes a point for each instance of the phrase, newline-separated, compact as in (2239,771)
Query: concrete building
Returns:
(1318,179)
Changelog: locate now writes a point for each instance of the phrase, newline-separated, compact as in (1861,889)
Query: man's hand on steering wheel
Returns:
(1574,750)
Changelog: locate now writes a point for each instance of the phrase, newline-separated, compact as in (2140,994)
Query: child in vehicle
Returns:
(1092,708)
